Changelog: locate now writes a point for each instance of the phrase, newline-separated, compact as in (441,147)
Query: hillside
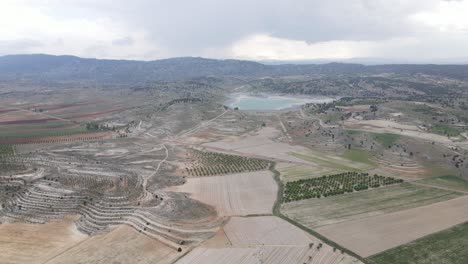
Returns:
(72,69)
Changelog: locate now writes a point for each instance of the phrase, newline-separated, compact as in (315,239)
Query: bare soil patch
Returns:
(235,194)
(36,243)
(121,245)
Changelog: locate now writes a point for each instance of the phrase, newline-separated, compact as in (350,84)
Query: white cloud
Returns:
(261,29)
(265,47)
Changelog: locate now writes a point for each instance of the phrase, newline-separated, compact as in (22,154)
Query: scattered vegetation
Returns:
(443,129)
(336,184)
(8,160)
(212,163)
(386,139)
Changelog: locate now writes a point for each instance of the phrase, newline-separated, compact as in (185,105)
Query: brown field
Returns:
(235,194)
(260,143)
(59,242)
(121,245)
(267,254)
(264,230)
(37,243)
(372,235)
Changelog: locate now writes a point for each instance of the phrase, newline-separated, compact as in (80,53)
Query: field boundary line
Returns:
(277,212)
(438,187)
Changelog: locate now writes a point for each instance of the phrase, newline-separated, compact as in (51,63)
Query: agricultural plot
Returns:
(264,230)
(121,245)
(386,139)
(365,236)
(449,182)
(446,247)
(314,213)
(299,172)
(268,254)
(335,162)
(8,160)
(212,163)
(51,123)
(332,185)
(261,144)
(33,243)
(392,127)
(234,194)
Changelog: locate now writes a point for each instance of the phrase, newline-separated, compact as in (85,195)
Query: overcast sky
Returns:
(410,30)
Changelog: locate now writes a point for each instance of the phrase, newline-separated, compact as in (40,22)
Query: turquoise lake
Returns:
(271,102)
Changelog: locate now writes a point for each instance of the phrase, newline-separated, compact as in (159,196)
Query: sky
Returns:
(284,30)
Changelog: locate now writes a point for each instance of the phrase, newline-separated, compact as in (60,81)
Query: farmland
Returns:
(264,230)
(447,246)
(348,163)
(364,236)
(212,163)
(449,181)
(335,209)
(166,171)
(20,124)
(298,172)
(234,194)
(334,185)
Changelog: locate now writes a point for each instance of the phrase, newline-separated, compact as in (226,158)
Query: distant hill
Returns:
(72,69)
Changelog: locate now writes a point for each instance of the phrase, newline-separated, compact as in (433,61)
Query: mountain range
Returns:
(41,67)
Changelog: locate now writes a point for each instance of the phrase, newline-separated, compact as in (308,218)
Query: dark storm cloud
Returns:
(189,26)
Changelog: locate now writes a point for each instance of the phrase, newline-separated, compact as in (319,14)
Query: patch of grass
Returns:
(353,132)
(358,155)
(437,170)
(447,130)
(445,247)
(448,181)
(332,117)
(386,139)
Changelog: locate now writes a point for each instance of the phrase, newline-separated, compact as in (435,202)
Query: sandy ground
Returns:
(388,126)
(235,194)
(264,230)
(372,235)
(270,255)
(260,143)
(121,245)
(59,242)
(37,243)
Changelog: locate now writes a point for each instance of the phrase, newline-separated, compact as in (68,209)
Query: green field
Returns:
(336,184)
(386,139)
(449,181)
(442,129)
(446,247)
(358,155)
(318,212)
(40,130)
